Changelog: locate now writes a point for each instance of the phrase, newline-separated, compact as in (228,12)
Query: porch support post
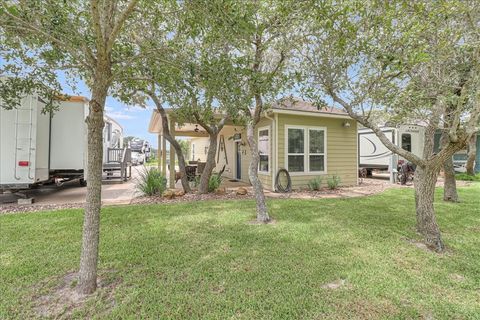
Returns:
(159,152)
(172,155)
(164,157)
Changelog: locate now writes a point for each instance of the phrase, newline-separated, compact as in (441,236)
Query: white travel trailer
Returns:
(24,140)
(38,148)
(373,154)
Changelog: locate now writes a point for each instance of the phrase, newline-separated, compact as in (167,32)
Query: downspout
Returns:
(273,154)
(49,141)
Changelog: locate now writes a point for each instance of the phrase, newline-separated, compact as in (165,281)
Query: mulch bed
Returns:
(189,197)
(15,208)
(367,187)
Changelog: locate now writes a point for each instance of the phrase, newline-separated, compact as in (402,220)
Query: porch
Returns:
(232,151)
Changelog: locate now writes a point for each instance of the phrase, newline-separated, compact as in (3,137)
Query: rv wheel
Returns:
(83,182)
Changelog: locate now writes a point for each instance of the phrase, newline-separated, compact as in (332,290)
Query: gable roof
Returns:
(300,106)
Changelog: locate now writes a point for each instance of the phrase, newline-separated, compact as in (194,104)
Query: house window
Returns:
(296,150)
(264,149)
(193,151)
(407,142)
(316,151)
(306,150)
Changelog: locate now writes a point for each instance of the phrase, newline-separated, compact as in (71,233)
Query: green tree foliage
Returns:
(87,40)
(407,62)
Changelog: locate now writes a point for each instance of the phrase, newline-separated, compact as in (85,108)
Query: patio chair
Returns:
(201,167)
(190,170)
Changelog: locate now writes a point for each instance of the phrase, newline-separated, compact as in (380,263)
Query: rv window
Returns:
(264,149)
(407,142)
(109,131)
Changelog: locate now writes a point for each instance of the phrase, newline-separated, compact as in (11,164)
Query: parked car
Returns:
(138,158)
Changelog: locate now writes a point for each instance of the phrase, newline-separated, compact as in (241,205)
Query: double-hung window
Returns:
(296,150)
(264,149)
(306,150)
(316,150)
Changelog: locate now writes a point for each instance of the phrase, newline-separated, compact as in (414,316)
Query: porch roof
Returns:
(182,130)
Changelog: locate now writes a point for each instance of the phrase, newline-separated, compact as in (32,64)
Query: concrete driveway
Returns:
(113,192)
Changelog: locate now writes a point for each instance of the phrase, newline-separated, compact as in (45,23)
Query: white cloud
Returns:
(137,108)
(119,115)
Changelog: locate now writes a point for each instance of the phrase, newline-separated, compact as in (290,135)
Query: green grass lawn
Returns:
(204,260)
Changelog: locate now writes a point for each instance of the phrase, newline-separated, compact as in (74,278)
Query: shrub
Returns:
(151,182)
(214,182)
(467,177)
(333,182)
(315,184)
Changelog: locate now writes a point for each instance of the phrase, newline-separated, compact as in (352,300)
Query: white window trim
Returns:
(306,149)
(267,173)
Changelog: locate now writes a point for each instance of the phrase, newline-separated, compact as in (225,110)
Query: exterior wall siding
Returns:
(227,157)
(266,178)
(197,147)
(341,152)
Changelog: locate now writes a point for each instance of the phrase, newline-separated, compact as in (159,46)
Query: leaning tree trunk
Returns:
(87,280)
(450,183)
(262,210)
(425,180)
(174,143)
(181,161)
(210,164)
(472,155)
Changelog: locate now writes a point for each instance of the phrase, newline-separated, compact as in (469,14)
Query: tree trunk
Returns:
(210,165)
(472,155)
(87,280)
(181,165)
(450,183)
(174,143)
(262,210)
(425,180)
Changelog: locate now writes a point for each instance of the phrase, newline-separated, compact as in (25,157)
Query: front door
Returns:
(238,161)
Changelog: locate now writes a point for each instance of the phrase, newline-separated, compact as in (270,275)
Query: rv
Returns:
(141,148)
(24,141)
(373,154)
(38,148)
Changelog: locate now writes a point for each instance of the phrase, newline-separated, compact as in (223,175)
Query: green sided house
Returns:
(293,135)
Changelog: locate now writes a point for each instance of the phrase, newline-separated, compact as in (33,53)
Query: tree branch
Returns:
(383,138)
(119,24)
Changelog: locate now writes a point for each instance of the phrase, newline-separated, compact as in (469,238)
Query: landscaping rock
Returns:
(22,201)
(179,193)
(242,191)
(169,194)
(221,190)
